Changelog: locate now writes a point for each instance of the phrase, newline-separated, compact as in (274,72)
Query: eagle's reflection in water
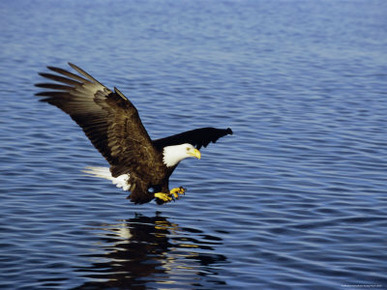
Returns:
(145,252)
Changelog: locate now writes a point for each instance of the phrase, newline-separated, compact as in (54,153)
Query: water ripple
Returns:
(296,198)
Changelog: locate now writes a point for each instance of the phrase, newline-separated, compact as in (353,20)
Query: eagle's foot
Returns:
(164,197)
(168,197)
(175,192)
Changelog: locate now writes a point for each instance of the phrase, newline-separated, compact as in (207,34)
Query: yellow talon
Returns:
(177,191)
(163,196)
(172,195)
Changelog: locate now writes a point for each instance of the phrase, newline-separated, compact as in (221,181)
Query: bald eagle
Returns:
(137,163)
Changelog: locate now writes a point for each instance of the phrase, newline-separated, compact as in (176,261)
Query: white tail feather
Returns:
(104,172)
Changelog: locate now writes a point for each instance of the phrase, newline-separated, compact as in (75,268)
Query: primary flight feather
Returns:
(112,123)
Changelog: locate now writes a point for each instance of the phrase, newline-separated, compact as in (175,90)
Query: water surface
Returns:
(296,198)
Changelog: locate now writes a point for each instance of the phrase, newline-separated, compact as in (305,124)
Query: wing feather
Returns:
(67,73)
(198,137)
(108,118)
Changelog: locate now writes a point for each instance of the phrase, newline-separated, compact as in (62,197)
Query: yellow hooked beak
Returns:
(195,153)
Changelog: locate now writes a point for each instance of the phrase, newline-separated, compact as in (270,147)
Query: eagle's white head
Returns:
(172,155)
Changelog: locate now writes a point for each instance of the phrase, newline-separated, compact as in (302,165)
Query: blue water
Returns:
(295,199)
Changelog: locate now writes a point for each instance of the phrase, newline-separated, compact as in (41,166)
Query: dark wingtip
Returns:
(229,131)
(45,100)
(50,67)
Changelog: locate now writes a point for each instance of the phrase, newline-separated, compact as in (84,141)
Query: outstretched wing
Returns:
(198,137)
(108,118)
